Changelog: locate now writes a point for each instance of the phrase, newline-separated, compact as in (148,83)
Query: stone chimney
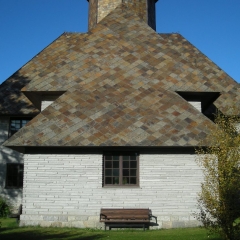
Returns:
(145,9)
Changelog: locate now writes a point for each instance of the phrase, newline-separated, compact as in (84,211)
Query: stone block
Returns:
(63,218)
(45,224)
(79,224)
(174,218)
(178,224)
(167,225)
(50,218)
(81,218)
(56,224)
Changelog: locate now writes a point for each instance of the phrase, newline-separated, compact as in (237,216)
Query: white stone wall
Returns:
(45,104)
(66,190)
(14,196)
(197,105)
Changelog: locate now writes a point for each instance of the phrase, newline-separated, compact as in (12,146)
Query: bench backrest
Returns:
(124,213)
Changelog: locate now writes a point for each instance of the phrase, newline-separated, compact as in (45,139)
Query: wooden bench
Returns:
(17,215)
(126,217)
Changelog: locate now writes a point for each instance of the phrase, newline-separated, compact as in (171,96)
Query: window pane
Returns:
(13,131)
(133,172)
(9,183)
(13,170)
(20,169)
(133,180)
(108,157)
(14,182)
(133,157)
(133,164)
(20,183)
(14,175)
(108,180)
(125,172)
(108,172)
(115,158)
(16,124)
(115,164)
(116,172)
(115,180)
(108,164)
(125,180)
(125,157)
(24,122)
(125,164)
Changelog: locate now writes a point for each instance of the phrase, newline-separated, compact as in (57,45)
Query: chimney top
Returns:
(145,9)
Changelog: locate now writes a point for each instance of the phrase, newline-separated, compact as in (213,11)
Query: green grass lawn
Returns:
(10,231)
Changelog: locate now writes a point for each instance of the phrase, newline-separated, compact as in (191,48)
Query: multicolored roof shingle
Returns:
(121,81)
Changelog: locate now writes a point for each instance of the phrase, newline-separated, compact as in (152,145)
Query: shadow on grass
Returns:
(51,234)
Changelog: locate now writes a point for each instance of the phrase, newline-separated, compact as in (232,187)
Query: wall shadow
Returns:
(14,195)
(13,101)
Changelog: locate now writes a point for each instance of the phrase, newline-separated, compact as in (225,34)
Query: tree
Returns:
(219,198)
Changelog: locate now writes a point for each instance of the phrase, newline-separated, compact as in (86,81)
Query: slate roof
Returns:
(120,82)
(13,101)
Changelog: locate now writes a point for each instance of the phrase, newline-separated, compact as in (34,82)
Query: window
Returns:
(14,175)
(202,101)
(16,124)
(121,170)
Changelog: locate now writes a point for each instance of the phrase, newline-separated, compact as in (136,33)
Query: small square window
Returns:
(121,169)
(14,175)
(16,124)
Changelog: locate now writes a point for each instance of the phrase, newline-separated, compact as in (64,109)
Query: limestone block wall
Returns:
(197,105)
(14,196)
(66,190)
(45,104)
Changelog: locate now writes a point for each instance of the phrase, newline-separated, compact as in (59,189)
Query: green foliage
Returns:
(5,208)
(219,199)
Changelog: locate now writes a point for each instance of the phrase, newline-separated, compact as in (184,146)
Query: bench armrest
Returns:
(102,215)
(151,216)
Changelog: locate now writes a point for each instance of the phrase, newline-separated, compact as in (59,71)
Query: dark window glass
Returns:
(108,164)
(133,164)
(121,170)
(125,164)
(16,124)
(116,164)
(108,157)
(125,172)
(133,180)
(14,175)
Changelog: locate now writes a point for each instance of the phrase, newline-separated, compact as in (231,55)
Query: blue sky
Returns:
(27,26)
